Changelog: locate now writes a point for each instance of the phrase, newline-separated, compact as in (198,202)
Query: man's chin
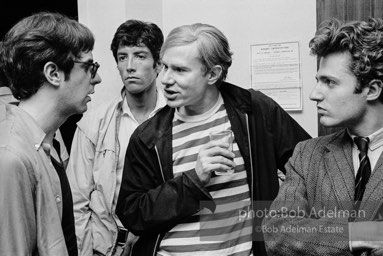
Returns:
(172,103)
(83,108)
(329,124)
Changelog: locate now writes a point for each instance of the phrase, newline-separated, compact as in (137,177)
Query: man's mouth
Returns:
(170,94)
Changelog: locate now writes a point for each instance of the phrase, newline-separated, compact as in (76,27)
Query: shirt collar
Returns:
(34,130)
(376,139)
(200,117)
(6,96)
(5,91)
(161,102)
(125,107)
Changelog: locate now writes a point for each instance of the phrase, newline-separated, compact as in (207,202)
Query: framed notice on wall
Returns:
(275,71)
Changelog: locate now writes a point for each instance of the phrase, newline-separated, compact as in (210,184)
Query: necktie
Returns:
(56,145)
(364,170)
(67,221)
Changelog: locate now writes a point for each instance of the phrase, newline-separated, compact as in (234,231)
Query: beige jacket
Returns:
(92,175)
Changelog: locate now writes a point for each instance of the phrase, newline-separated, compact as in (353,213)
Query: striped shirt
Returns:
(222,232)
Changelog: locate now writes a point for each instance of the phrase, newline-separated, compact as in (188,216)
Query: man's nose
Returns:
(316,93)
(97,79)
(130,66)
(167,78)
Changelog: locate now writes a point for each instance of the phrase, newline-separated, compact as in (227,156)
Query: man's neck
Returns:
(210,98)
(43,112)
(142,104)
(372,121)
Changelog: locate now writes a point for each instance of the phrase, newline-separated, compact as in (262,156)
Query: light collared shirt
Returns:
(30,191)
(375,149)
(7,97)
(95,172)
(127,126)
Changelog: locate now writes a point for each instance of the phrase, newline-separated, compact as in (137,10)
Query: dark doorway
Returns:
(12,11)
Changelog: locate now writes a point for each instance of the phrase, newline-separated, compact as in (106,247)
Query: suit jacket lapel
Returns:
(339,167)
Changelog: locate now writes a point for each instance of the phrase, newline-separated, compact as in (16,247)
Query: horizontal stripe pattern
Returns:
(222,232)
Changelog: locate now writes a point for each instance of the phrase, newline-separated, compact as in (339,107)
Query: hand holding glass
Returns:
(225,136)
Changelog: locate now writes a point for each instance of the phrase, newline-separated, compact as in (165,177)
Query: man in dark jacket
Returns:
(170,194)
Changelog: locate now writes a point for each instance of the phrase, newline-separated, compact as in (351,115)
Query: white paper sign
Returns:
(275,70)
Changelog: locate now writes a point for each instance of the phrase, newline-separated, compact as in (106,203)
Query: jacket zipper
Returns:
(163,178)
(251,163)
(117,153)
(159,161)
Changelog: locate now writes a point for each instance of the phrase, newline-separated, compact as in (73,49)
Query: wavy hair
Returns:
(362,39)
(138,33)
(36,40)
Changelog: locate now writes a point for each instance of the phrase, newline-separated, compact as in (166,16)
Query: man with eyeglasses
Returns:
(6,97)
(102,136)
(47,60)
(93,67)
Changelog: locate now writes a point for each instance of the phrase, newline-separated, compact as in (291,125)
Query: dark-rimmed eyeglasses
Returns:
(93,69)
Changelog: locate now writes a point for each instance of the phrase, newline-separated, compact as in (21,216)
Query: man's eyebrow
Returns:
(325,77)
(142,51)
(88,60)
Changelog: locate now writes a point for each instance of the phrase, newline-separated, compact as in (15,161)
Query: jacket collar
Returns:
(238,97)
(157,127)
(160,125)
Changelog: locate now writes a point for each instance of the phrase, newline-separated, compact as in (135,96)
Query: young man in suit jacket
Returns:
(330,201)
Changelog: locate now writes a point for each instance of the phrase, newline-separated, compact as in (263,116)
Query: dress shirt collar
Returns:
(6,96)
(35,132)
(376,139)
(161,102)
(5,91)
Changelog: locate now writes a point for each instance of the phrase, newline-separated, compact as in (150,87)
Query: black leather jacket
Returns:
(152,201)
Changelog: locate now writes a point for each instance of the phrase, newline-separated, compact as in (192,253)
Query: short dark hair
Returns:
(36,40)
(362,39)
(138,33)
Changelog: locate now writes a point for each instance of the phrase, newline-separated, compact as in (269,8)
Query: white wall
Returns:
(103,18)
(243,22)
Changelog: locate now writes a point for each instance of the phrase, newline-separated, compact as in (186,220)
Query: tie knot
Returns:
(362,143)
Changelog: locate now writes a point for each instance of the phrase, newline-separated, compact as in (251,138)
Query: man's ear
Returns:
(52,74)
(374,89)
(214,74)
(158,67)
